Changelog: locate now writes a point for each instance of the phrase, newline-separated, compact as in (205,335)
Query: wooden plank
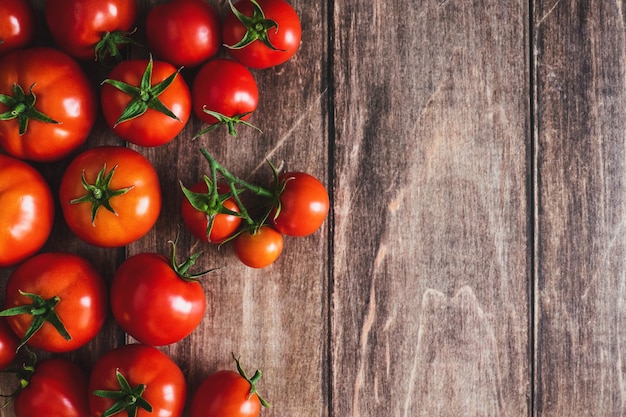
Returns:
(580,49)
(431,226)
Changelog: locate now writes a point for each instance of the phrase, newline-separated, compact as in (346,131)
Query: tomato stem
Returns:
(22,107)
(182,269)
(127,398)
(255,378)
(257,27)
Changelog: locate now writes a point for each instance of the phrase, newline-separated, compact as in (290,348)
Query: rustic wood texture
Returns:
(473,261)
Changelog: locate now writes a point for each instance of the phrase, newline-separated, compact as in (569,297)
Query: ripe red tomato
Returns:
(17,25)
(274,23)
(208,222)
(303,205)
(155,300)
(146,102)
(26,211)
(258,249)
(55,104)
(110,196)
(55,387)
(137,377)
(91,29)
(183,32)
(9,343)
(53,287)
(226,87)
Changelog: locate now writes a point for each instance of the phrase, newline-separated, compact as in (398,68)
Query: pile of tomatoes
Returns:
(48,107)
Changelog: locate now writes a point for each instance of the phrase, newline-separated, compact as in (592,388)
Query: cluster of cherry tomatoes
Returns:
(111,196)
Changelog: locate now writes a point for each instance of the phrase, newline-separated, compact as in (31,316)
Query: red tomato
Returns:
(153,381)
(26,211)
(64,283)
(226,87)
(55,101)
(207,222)
(119,200)
(91,29)
(258,249)
(183,32)
(17,25)
(154,301)
(284,33)
(56,387)
(9,343)
(138,109)
(303,205)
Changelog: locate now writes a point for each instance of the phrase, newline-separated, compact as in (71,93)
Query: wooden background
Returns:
(473,262)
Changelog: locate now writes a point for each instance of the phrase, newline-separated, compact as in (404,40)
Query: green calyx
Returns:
(23,374)
(108,47)
(253,381)
(100,193)
(229,121)
(22,107)
(42,311)
(127,398)
(145,96)
(257,27)
(182,269)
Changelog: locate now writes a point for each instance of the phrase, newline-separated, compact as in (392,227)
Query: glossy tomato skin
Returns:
(183,32)
(17,25)
(224,86)
(304,205)
(83,297)
(260,249)
(63,92)
(152,303)
(8,344)
(136,211)
(166,388)
(26,211)
(58,387)
(152,128)
(257,55)
(224,393)
(78,25)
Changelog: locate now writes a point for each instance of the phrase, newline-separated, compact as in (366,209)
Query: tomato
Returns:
(303,205)
(270,37)
(9,343)
(60,296)
(210,221)
(146,102)
(47,104)
(227,88)
(155,300)
(183,32)
(17,25)
(137,377)
(110,196)
(26,211)
(260,248)
(91,29)
(52,387)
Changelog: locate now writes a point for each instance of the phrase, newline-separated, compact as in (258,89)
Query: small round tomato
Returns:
(60,297)
(110,196)
(137,379)
(183,32)
(270,35)
(17,25)
(259,248)
(9,343)
(47,104)
(303,204)
(208,220)
(146,102)
(26,211)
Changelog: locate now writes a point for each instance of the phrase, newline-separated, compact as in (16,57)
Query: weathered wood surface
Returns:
(473,260)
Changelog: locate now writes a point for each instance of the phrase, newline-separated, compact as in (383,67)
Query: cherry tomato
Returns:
(303,205)
(146,102)
(26,211)
(272,37)
(9,343)
(47,104)
(91,29)
(155,300)
(183,32)
(258,249)
(110,196)
(17,25)
(145,377)
(56,287)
